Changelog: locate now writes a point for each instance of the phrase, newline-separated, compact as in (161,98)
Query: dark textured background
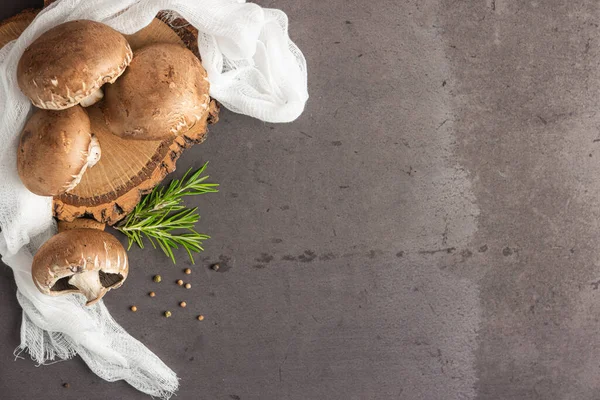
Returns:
(426,230)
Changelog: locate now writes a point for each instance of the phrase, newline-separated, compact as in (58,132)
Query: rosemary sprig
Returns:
(163,219)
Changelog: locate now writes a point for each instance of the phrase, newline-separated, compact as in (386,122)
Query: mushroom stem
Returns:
(89,284)
(93,156)
(93,98)
(94,153)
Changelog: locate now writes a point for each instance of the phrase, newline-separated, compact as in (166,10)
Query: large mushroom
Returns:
(55,150)
(86,261)
(162,94)
(68,64)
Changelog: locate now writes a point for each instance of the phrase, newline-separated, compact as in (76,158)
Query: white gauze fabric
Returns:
(254,69)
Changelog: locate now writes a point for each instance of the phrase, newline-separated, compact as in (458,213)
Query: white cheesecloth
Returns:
(253,68)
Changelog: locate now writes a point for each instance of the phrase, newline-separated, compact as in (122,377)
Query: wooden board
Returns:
(12,28)
(128,168)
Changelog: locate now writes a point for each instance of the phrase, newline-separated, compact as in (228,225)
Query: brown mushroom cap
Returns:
(163,93)
(69,63)
(55,150)
(86,261)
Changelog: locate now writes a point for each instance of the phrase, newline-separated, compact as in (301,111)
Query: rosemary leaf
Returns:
(163,219)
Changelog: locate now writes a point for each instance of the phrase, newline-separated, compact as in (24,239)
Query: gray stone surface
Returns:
(426,230)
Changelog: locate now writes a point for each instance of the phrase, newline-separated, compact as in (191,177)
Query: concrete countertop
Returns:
(428,229)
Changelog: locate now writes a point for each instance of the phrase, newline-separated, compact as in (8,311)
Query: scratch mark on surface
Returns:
(307,257)
(263,182)
(328,256)
(444,250)
(431,307)
(587,46)
(445,234)
(264,258)
(442,124)
(285,356)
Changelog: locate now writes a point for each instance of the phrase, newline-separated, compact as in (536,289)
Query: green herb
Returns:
(163,219)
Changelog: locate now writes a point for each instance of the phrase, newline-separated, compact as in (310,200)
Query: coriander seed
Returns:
(151,294)
(157,278)
(200,317)
(133,308)
(182,304)
(66,385)
(179,282)
(168,314)
(215,267)
(188,285)
(187,271)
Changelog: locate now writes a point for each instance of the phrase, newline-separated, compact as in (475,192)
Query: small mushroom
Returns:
(55,150)
(163,93)
(68,64)
(86,261)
